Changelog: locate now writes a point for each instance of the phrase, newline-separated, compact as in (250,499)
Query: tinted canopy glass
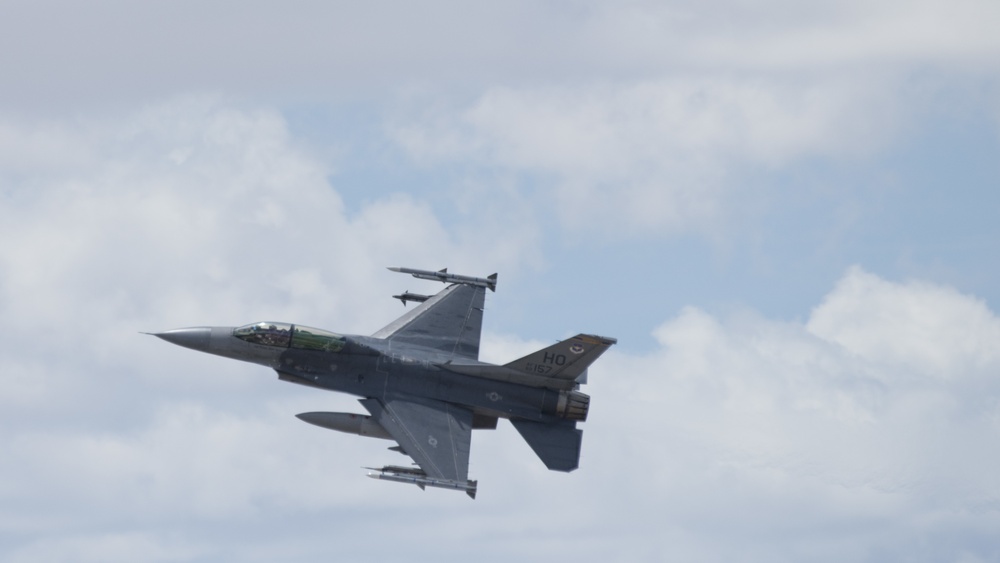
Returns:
(268,334)
(317,339)
(284,335)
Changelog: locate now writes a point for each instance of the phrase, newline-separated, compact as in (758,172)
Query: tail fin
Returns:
(565,362)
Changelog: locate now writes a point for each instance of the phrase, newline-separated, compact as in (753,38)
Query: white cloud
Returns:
(133,229)
(749,428)
(863,433)
(665,111)
(850,435)
(641,116)
(192,211)
(655,155)
(928,329)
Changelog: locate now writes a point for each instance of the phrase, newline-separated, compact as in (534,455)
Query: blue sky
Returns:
(784,212)
(923,207)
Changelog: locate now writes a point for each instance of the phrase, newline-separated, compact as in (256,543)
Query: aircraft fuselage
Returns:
(422,383)
(367,367)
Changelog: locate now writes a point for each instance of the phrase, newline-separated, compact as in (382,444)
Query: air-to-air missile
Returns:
(366,426)
(407,296)
(444,277)
(417,477)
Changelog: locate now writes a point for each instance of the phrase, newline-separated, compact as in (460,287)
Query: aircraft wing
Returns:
(435,434)
(450,321)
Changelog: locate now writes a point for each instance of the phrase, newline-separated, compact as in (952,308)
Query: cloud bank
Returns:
(866,431)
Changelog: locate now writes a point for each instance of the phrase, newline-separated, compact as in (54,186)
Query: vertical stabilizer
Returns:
(567,360)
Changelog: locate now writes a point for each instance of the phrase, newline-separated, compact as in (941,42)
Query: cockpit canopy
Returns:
(284,335)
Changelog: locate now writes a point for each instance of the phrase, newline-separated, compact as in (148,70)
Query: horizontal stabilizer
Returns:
(557,444)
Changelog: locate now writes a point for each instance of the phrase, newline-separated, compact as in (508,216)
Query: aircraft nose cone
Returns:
(195,338)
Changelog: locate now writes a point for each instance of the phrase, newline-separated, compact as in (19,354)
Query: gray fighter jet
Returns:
(422,382)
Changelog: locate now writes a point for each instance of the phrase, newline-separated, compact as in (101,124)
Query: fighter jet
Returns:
(422,383)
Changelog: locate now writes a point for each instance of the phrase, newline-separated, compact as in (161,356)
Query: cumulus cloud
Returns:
(933,331)
(867,427)
(849,435)
(642,117)
(863,433)
(702,98)
(175,201)
(659,154)
(190,211)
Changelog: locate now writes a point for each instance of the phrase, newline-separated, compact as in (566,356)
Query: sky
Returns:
(784,211)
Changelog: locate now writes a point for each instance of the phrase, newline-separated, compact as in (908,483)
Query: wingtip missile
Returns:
(443,276)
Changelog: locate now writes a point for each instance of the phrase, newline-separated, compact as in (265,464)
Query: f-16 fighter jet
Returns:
(422,383)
